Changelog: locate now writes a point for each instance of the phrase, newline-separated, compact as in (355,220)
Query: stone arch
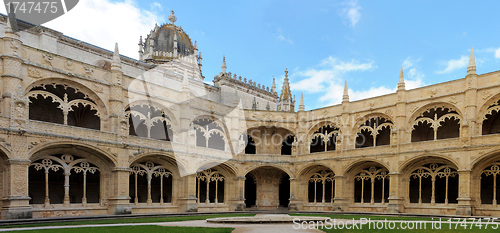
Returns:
(271,139)
(434,121)
(213,184)
(373,135)
(430,179)
(77,86)
(164,157)
(406,165)
(152,179)
(323,137)
(74,173)
(271,189)
(254,167)
(369,181)
(3,167)
(4,152)
(167,111)
(320,124)
(211,132)
(489,113)
(485,178)
(320,182)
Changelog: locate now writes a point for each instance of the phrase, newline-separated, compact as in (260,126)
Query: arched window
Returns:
(210,187)
(62,104)
(436,123)
(209,134)
(491,120)
(374,132)
(324,139)
(149,122)
(250,148)
(434,183)
(322,187)
(371,185)
(490,184)
(63,179)
(287,145)
(151,183)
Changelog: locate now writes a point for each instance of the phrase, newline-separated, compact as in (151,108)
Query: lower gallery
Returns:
(86,131)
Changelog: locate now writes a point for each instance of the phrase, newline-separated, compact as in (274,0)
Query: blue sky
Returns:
(322,43)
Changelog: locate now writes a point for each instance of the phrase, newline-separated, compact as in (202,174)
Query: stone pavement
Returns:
(239,228)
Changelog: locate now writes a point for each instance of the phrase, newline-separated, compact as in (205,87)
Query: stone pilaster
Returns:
(188,200)
(120,201)
(116,93)
(396,192)
(295,203)
(464,206)
(239,201)
(11,78)
(341,200)
(16,205)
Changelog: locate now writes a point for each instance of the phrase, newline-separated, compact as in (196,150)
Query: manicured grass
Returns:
(136,229)
(131,220)
(429,228)
(372,217)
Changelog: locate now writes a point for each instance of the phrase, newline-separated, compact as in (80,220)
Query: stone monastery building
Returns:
(86,131)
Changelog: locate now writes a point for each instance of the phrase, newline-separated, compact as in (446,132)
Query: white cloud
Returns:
(455,64)
(352,12)
(326,80)
(104,22)
(497,53)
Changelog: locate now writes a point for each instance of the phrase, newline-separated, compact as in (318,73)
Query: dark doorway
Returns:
(284,191)
(250,191)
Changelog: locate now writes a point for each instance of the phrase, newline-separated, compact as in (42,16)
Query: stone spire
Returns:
(11,21)
(472,63)
(345,97)
(273,87)
(401,83)
(141,49)
(286,103)
(301,104)
(224,67)
(116,58)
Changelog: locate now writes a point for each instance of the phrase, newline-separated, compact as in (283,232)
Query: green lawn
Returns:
(136,229)
(429,228)
(357,217)
(131,220)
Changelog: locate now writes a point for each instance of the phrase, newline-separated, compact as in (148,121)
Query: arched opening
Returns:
(436,123)
(210,186)
(433,183)
(490,184)
(287,145)
(2,175)
(62,104)
(371,185)
(321,187)
(250,148)
(149,122)
(209,134)
(250,191)
(324,139)
(272,187)
(150,182)
(64,179)
(374,132)
(491,120)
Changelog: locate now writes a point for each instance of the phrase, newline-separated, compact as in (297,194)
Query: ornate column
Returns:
(11,77)
(120,201)
(396,193)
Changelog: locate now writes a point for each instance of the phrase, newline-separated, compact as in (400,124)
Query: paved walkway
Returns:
(239,228)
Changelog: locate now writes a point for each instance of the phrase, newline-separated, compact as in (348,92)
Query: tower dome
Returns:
(166,42)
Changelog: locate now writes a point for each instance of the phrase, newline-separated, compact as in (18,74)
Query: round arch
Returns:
(320,124)
(160,157)
(157,106)
(360,121)
(433,105)
(255,167)
(484,107)
(406,166)
(77,86)
(353,166)
(305,170)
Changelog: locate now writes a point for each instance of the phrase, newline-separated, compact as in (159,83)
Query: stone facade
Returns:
(85,131)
